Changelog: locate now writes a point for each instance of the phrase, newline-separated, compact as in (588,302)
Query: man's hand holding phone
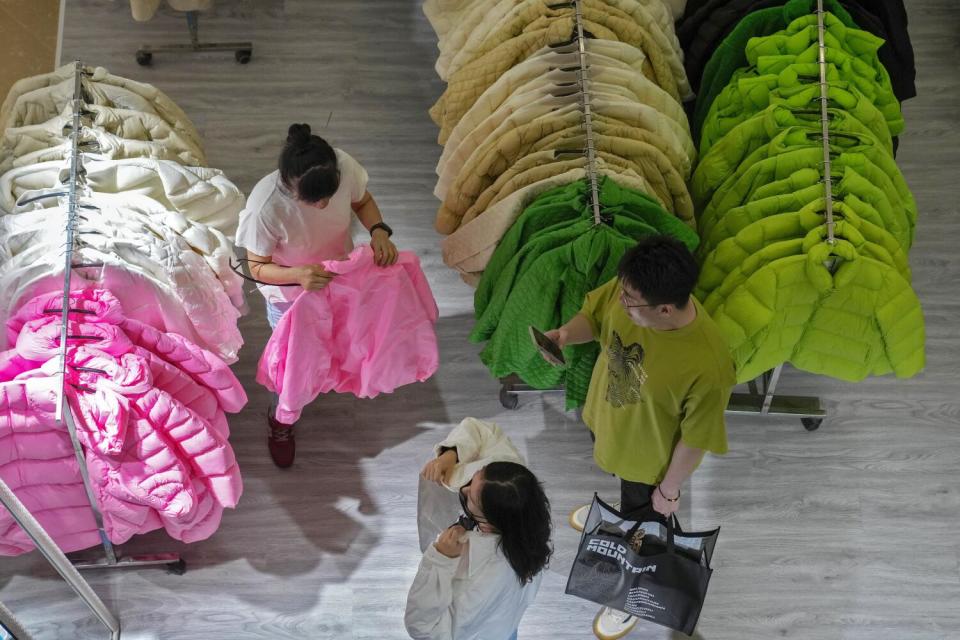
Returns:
(550,345)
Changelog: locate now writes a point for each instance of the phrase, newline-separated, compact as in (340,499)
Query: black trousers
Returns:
(634,495)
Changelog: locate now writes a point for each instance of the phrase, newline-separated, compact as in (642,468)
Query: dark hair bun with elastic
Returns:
(298,134)
(310,163)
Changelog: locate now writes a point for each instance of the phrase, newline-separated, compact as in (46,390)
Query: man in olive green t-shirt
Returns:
(660,386)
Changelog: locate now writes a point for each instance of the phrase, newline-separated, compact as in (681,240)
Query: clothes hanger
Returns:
(856,137)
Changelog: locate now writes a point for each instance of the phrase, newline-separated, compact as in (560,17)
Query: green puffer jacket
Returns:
(794,192)
(801,34)
(548,294)
(885,99)
(565,205)
(733,254)
(794,149)
(724,157)
(551,257)
(731,54)
(861,319)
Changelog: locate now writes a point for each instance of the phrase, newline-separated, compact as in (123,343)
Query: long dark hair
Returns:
(513,501)
(313,161)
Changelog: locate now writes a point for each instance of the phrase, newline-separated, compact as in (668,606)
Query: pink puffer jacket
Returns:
(180,433)
(38,463)
(152,461)
(369,331)
(39,341)
(152,425)
(100,306)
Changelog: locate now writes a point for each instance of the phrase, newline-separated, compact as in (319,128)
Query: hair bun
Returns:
(298,134)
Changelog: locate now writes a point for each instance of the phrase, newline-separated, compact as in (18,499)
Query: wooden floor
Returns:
(848,533)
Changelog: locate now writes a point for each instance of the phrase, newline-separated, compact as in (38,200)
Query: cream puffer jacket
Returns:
(215,248)
(144,10)
(510,14)
(116,133)
(32,97)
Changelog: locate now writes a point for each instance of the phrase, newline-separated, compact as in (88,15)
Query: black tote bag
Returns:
(665,582)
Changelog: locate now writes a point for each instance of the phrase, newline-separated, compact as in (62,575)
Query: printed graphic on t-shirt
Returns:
(626,373)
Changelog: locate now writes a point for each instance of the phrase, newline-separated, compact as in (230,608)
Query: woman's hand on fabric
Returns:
(661,504)
(384,251)
(452,542)
(438,470)
(313,277)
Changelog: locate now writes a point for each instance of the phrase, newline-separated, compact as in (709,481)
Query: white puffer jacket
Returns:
(146,246)
(38,271)
(198,193)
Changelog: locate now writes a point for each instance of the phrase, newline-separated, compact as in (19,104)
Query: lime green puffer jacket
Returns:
(860,319)
(800,188)
(795,148)
(751,93)
(733,254)
(724,157)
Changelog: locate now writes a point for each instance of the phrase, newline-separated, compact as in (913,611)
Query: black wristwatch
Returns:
(381,225)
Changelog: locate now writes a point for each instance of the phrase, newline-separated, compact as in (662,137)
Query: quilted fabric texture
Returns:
(544,266)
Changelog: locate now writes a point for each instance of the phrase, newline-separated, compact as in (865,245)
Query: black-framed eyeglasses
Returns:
(624,298)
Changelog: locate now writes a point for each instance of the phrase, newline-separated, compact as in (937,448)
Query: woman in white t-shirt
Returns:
(297,217)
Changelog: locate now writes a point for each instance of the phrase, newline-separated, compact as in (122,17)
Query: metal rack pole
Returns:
(63,411)
(825,122)
(49,549)
(511,387)
(584,80)
(10,627)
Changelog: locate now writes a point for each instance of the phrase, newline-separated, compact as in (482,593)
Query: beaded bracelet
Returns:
(666,498)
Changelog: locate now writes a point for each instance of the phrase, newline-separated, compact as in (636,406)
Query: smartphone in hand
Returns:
(549,349)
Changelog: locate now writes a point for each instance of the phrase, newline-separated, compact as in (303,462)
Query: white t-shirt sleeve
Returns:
(352,174)
(254,234)
(257,231)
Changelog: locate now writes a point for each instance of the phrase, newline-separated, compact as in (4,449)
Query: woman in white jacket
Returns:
(477,579)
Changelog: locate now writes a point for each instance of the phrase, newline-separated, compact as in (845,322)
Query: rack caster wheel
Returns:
(243,56)
(177,568)
(144,58)
(811,424)
(508,400)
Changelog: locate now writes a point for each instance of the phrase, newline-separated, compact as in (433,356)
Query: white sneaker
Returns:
(578,517)
(610,624)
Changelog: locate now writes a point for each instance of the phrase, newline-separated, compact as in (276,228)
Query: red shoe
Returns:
(280,442)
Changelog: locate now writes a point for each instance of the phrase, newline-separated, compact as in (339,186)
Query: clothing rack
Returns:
(761,398)
(242,51)
(75,185)
(511,387)
(49,549)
